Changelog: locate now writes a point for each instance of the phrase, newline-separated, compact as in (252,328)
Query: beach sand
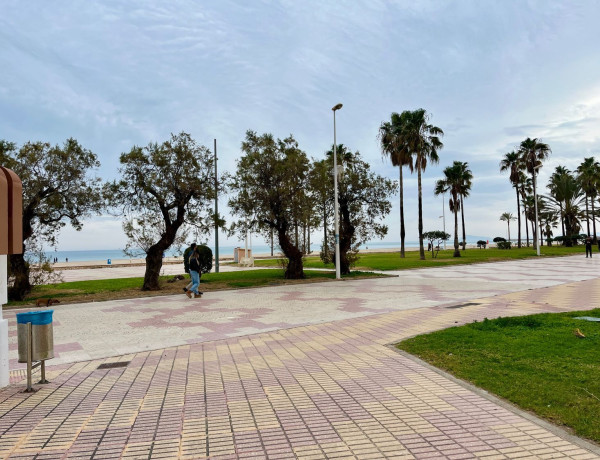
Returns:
(222,259)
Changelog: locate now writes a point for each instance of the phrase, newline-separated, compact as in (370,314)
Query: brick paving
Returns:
(330,390)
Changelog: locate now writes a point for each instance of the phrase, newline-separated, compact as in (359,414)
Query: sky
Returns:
(115,74)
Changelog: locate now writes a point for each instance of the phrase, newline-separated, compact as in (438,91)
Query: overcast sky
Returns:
(114,74)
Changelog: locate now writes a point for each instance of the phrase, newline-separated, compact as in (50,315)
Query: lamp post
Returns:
(335,197)
(537,226)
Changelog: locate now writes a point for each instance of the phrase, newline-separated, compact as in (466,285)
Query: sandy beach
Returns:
(223,259)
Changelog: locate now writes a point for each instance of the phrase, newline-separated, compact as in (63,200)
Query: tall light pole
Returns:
(216,214)
(335,197)
(537,226)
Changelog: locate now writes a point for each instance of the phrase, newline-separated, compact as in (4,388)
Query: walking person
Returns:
(186,263)
(195,275)
(588,247)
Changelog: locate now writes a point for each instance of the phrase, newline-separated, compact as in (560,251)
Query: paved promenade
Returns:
(290,371)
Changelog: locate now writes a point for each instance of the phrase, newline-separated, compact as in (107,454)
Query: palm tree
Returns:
(507,217)
(534,152)
(422,142)
(467,182)
(452,183)
(570,192)
(589,176)
(512,162)
(525,190)
(557,186)
(548,220)
(392,146)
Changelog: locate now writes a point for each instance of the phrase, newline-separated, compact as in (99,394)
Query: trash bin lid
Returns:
(38,318)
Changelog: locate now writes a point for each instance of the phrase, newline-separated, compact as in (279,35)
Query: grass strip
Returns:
(392,260)
(120,288)
(534,361)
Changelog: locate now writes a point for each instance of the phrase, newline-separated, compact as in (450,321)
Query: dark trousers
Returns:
(588,250)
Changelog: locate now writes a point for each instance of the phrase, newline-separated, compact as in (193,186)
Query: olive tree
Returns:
(270,193)
(363,200)
(58,188)
(164,189)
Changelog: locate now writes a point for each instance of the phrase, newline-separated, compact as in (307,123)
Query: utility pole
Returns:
(216,214)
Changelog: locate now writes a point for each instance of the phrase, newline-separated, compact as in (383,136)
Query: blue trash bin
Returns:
(42,338)
(108,262)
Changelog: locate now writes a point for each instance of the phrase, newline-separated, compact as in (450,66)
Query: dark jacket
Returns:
(194,265)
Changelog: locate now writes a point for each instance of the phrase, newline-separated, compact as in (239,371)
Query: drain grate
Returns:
(461,305)
(114,365)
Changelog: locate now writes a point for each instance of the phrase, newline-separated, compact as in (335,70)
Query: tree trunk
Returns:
(421,249)
(587,215)
(595,240)
(456,248)
(518,217)
(346,234)
(18,265)
(464,233)
(402,229)
(308,240)
(508,223)
(526,222)
(303,238)
(271,242)
(562,219)
(325,247)
(294,269)
(20,270)
(153,266)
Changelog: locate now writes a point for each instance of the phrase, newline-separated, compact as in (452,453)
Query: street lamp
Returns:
(335,195)
(537,226)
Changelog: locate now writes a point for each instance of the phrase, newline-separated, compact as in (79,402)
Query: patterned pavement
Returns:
(329,390)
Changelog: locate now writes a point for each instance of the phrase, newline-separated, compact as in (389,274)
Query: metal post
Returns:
(216,214)
(43,371)
(29,357)
(335,193)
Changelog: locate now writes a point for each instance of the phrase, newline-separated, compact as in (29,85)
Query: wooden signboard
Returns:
(11,212)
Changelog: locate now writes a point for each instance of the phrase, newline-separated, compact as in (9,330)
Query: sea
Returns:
(224,251)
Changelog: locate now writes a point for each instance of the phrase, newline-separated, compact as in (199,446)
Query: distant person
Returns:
(67,259)
(186,263)
(588,247)
(195,275)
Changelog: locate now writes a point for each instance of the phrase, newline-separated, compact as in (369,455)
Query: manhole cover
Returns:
(461,305)
(114,365)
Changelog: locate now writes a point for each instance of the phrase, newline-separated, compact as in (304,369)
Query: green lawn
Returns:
(392,260)
(533,361)
(96,290)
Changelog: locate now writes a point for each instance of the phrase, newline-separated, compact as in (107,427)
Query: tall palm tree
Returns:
(422,141)
(392,146)
(557,186)
(572,195)
(507,217)
(589,176)
(526,189)
(467,182)
(512,162)
(534,152)
(452,182)
(548,220)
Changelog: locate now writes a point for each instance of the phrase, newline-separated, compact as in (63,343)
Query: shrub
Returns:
(481,244)
(504,244)
(499,238)
(205,259)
